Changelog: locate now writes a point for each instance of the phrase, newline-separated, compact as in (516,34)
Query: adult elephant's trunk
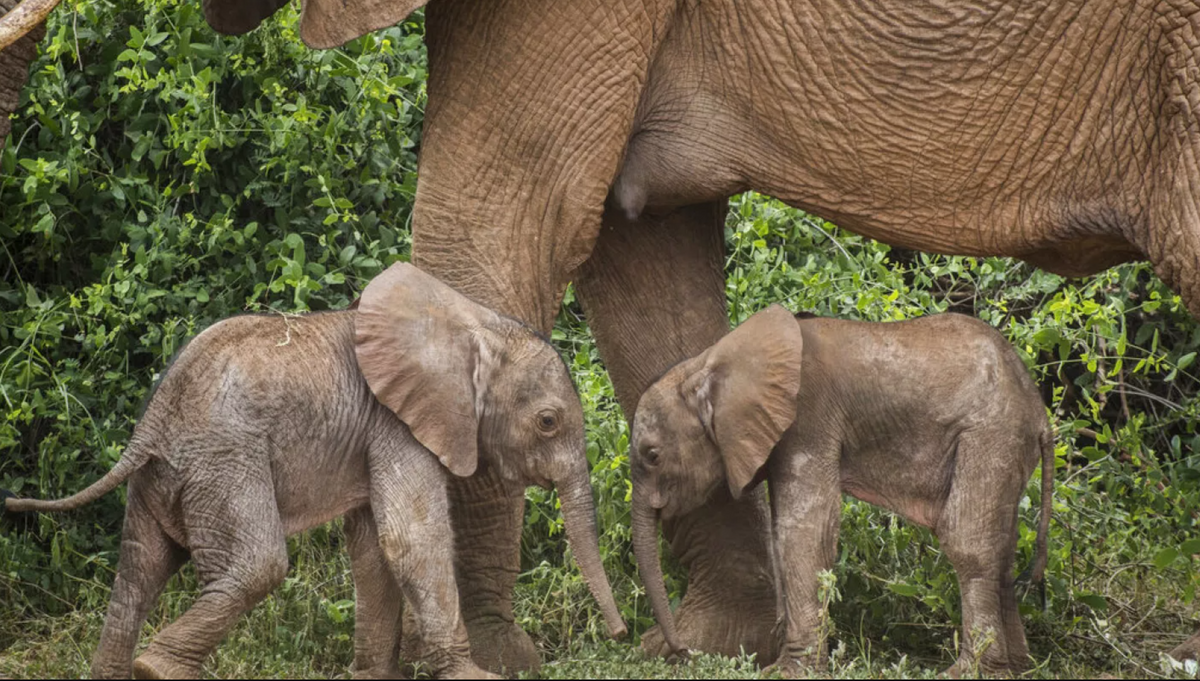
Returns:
(22,19)
(645,547)
(579,515)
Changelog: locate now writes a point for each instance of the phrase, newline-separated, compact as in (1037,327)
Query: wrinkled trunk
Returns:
(14,69)
(645,547)
(579,515)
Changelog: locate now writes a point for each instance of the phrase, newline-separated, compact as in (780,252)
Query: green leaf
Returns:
(1165,557)
(1094,601)
(1186,361)
(45,225)
(904,589)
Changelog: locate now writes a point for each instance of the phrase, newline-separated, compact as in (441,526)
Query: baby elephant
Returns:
(269,425)
(934,418)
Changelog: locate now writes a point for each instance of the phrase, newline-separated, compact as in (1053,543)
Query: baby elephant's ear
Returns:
(745,391)
(421,346)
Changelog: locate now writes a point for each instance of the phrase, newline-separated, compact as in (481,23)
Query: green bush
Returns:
(160,177)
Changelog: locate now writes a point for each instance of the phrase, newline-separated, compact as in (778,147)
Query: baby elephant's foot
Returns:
(157,665)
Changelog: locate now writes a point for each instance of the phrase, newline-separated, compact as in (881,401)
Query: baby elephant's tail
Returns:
(1036,572)
(129,463)
(1041,557)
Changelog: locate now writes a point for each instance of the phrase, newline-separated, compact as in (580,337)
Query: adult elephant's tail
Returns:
(133,459)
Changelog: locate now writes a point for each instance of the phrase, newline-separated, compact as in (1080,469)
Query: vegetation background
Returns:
(160,177)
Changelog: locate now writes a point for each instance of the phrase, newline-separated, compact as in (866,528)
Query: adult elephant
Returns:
(597,141)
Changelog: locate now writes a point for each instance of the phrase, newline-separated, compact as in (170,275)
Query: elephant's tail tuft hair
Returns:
(5,495)
(24,521)
(129,463)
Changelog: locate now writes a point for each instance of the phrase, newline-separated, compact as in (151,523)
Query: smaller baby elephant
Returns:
(935,419)
(268,425)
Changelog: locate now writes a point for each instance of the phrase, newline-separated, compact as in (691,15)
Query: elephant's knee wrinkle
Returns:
(395,546)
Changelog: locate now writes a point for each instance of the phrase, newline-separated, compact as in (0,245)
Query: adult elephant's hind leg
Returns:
(654,294)
(1172,244)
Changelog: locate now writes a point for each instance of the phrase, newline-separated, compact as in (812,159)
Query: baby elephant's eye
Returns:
(651,456)
(548,421)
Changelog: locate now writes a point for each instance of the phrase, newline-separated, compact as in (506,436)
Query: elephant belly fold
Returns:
(308,498)
(914,509)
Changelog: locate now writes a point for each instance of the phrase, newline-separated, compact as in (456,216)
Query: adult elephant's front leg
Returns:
(654,294)
(487,518)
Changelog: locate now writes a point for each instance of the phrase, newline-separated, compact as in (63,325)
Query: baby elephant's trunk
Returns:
(579,516)
(119,473)
(645,548)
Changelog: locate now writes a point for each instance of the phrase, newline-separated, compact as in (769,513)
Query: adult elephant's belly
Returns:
(921,125)
(1072,246)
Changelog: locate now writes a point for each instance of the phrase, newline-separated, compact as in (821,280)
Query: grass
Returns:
(305,628)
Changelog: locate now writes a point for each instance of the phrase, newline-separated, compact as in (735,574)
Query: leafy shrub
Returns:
(159,178)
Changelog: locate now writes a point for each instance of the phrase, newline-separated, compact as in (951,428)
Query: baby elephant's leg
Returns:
(410,503)
(240,552)
(805,503)
(378,601)
(977,530)
(1014,630)
(148,559)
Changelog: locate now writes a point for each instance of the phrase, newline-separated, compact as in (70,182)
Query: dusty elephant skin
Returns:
(269,425)
(1059,131)
(935,418)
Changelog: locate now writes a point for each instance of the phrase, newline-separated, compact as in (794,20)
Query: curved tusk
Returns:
(22,19)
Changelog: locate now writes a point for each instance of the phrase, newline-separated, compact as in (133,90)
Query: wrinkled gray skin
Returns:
(935,419)
(267,425)
(1063,132)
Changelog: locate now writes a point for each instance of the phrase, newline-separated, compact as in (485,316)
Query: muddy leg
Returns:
(148,559)
(238,545)
(378,601)
(412,511)
(806,504)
